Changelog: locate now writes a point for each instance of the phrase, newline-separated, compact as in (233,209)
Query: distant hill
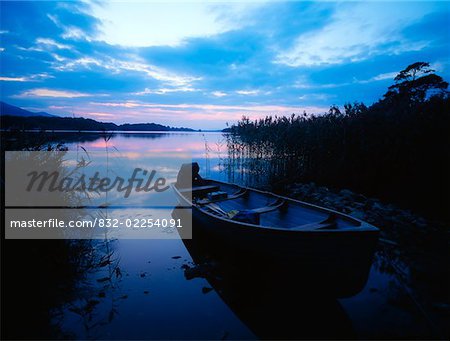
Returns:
(7,109)
(149,127)
(16,118)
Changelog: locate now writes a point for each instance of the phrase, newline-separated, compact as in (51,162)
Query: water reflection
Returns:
(151,297)
(272,302)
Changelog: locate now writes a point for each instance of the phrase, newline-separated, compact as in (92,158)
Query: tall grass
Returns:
(396,149)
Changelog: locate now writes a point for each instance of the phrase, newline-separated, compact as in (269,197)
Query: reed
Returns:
(396,149)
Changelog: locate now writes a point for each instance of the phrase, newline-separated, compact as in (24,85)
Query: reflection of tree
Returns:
(19,140)
(150,136)
(417,262)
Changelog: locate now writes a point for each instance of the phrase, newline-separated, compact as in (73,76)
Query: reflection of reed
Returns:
(207,156)
(40,276)
(414,277)
(105,268)
(98,308)
(65,264)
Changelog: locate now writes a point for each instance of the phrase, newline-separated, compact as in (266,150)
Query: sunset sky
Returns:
(200,65)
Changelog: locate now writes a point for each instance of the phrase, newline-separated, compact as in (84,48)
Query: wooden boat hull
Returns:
(340,258)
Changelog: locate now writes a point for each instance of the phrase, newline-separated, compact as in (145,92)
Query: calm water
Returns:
(151,298)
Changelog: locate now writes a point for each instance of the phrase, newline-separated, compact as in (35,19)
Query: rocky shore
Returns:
(411,247)
(393,221)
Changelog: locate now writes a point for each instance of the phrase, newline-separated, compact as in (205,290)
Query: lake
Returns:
(151,296)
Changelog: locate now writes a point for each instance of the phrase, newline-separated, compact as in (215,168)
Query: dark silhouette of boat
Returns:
(274,305)
(331,250)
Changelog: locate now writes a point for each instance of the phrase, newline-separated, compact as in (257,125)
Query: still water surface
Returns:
(152,299)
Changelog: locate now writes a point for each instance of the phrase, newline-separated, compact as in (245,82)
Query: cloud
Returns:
(163,91)
(69,31)
(303,84)
(32,78)
(177,75)
(314,96)
(241,108)
(356,32)
(52,93)
(140,24)
(118,66)
(247,92)
(13,79)
(44,45)
(383,76)
(219,94)
(52,43)
(193,115)
(101,115)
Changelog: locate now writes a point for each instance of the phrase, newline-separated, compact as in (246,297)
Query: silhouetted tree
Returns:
(396,149)
(414,83)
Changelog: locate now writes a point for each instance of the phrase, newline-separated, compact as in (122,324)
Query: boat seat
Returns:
(314,226)
(200,190)
(269,208)
(246,216)
(235,195)
(329,223)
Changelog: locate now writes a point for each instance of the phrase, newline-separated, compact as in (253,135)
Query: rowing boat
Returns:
(328,244)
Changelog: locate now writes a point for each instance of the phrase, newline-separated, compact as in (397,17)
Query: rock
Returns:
(93,302)
(90,305)
(358,214)
(205,290)
(346,193)
(359,197)
(444,307)
(421,223)
(346,210)
(377,206)
(357,205)
(104,279)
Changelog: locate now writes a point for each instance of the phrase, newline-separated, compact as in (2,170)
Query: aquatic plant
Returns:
(396,149)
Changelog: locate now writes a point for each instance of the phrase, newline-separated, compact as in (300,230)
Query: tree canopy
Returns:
(415,83)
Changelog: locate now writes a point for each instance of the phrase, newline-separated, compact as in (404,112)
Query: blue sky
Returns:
(202,64)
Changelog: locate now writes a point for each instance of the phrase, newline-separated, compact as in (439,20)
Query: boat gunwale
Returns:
(363,227)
